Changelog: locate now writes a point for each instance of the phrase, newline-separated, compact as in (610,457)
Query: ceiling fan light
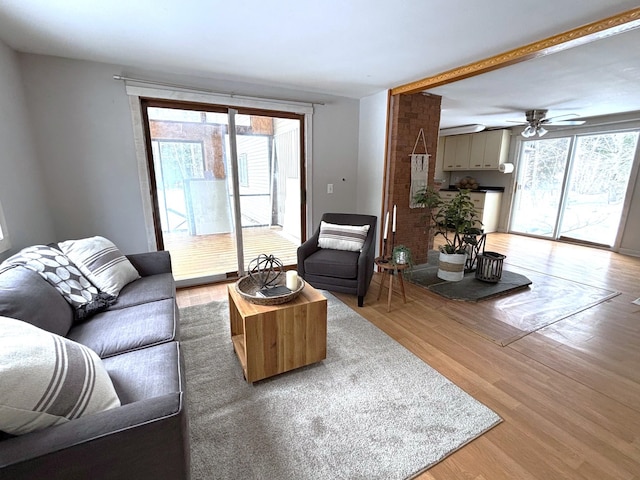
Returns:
(542,131)
(528,132)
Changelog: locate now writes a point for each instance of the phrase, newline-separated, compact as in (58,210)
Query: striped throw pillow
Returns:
(342,237)
(101,262)
(48,379)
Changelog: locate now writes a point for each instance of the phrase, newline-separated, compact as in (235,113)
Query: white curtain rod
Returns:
(206,90)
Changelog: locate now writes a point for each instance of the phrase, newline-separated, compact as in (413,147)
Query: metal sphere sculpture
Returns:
(265,270)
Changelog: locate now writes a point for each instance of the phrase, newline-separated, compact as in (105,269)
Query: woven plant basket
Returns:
(247,289)
(451,266)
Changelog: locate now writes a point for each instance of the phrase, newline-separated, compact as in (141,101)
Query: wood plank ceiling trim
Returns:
(622,22)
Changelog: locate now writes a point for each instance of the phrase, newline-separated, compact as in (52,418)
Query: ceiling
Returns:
(350,48)
(599,78)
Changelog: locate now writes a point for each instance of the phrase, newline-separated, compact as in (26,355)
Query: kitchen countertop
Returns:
(481,189)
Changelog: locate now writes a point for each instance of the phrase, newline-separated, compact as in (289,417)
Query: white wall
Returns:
(84,140)
(22,191)
(371,150)
(335,158)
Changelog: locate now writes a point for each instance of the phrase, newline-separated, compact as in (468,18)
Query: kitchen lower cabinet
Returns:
(487,203)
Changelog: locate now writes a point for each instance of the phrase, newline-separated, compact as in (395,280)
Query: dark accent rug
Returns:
(371,410)
(469,288)
(507,316)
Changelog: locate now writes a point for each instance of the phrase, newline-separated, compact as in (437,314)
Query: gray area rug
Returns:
(371,410)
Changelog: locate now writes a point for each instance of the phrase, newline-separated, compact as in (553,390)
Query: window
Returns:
(4,236)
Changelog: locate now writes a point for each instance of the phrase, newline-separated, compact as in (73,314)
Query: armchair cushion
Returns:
(342,237)
(332,263)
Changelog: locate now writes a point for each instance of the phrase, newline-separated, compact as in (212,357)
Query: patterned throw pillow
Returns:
(101,261)
(342,237)
(60,272)
(48,379)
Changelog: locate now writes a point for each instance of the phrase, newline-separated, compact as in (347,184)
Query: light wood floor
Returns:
(569,394)
(194,256)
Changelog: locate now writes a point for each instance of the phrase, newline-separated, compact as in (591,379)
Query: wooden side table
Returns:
(390,269)
(272,339)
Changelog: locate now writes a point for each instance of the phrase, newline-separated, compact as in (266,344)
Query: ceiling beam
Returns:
(591,32)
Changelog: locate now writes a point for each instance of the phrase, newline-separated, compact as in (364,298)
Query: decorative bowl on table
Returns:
(248,289)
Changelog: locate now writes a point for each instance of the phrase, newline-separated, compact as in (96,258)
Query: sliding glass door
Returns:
(597,186)
(222,196)
(541,173)
(573,188)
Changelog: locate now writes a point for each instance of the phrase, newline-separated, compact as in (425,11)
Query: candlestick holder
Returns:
(393,244)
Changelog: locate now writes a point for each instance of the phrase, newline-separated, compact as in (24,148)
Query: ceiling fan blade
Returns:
(563,122)
(561,116)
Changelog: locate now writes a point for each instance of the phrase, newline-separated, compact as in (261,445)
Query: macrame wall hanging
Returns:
(419,169)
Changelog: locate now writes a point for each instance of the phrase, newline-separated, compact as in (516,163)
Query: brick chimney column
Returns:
(408,114)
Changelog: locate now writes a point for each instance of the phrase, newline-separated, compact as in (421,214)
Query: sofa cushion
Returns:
(126,329)
(332,263)
(47,379)
(145,290)
(342,237)
(54,266)
(156,372)
(19,286)
(101,261)
(151,263)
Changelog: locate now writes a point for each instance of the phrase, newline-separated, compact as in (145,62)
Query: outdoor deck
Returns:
(194,256)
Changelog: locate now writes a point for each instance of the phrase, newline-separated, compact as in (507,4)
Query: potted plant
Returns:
(455,221)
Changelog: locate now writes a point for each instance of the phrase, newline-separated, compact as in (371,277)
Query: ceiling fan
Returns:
(536,120)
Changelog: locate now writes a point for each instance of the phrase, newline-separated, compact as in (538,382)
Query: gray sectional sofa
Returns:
(137,338)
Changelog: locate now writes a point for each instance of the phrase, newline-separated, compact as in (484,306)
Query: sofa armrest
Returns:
(142,440)
(151,263)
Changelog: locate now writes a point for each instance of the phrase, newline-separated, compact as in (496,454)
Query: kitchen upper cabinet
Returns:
(496,149)
(477,151)
(456,152)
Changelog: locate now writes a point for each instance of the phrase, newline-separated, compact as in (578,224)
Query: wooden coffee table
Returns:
(270,340)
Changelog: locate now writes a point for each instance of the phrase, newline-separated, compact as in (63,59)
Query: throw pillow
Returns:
(101,261)
(60,272)
(342,237)
(48,379)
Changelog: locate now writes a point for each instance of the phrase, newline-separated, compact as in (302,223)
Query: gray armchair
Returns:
(339,270)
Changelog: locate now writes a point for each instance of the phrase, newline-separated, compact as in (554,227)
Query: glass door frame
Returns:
(565,182)
(517,182)
(154,211)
